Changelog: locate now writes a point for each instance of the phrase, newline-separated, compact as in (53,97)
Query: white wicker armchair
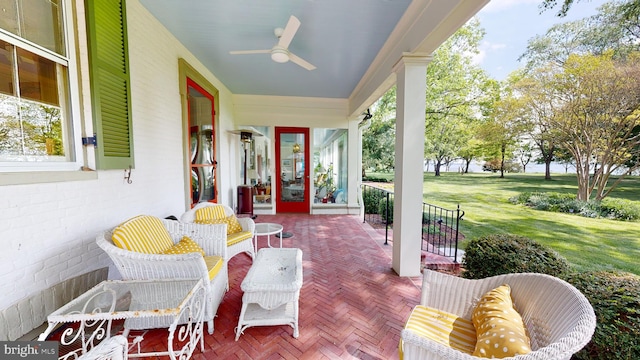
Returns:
(247,225)
(140,266)
(559,319)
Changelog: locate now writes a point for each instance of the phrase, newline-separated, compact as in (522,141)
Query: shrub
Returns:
(382,209)
(371,198)
(620,209)
(375,179)
(617,209)
(615,297)
(505,253)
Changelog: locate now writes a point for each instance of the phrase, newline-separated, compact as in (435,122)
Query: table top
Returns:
(275,269)
(121,299)
(267,229)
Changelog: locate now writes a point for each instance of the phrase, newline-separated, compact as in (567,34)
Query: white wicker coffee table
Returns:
(271,290)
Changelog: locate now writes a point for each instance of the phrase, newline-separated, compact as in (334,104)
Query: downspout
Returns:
(362,126)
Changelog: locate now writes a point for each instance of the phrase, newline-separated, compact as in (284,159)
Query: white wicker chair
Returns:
(139,266)
(559,319)
(247,225)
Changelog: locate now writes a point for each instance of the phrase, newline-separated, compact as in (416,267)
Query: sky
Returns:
(509,24)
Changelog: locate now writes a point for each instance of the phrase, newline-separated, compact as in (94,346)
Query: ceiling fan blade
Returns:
(298,60)
(244,52)
(289,31)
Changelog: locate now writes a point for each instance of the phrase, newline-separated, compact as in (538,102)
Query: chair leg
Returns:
(210,326)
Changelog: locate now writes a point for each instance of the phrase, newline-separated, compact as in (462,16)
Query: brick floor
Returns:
(352,304)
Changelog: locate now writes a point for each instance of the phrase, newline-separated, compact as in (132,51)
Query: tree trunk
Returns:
(502,155)
(466,167)
(436,167)
(547,168)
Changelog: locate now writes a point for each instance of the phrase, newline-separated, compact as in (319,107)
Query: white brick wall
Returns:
(48,230)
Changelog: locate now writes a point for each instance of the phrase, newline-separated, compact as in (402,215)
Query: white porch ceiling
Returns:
(353,43)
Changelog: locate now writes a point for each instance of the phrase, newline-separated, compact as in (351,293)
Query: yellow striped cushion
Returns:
(445,328)
(237,237)
(214,264)
(143,234)
(209,213)
(184,246)
(233,225)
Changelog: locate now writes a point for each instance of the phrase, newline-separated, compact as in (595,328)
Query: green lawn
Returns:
(589,244)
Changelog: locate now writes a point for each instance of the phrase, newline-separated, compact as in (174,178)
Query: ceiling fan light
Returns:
(279,56)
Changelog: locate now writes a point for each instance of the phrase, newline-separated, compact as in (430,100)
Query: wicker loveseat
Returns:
(211,266)
(237,242)
(559,319)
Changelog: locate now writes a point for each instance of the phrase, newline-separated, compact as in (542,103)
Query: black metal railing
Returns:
(440,226)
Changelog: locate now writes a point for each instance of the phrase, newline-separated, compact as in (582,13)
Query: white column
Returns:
(411,72)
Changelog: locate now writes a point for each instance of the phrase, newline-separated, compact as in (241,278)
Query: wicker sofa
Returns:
(559,319)
(235,246)
(134,265)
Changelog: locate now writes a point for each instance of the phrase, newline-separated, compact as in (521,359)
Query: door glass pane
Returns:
(292,149)
(201,147)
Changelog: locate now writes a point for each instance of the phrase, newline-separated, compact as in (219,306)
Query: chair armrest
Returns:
(247,224)
(138,266)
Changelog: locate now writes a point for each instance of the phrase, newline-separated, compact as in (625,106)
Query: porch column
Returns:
(411,73)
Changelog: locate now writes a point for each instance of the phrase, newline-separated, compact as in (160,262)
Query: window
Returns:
(34,116)
(330,165)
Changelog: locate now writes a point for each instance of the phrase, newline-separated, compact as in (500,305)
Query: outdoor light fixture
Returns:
(296,148)
(245,136)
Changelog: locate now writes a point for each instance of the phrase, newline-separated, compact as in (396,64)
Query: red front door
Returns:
(292,172)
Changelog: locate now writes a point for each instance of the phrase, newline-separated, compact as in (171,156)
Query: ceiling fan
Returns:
(280,52)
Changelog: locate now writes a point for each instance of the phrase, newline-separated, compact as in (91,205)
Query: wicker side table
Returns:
(271,290)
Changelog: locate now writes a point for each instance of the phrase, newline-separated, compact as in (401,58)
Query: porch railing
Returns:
(440,226)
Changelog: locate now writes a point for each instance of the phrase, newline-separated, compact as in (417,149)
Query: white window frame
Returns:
(23,172)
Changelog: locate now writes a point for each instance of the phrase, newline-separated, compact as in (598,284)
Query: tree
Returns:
(539,107)
(629,9)
(598,121)
(616,27)
(453,89)
(378,149)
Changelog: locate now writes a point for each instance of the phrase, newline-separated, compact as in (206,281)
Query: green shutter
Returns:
(110,83)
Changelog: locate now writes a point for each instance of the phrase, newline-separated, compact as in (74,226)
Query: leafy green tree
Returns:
(378,140)
(502,126)
(599,119)
(452,96)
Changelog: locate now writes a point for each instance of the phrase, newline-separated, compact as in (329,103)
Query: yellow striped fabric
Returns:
(143,234)
(209,213)
(214,264)
(445,328)
(237,237)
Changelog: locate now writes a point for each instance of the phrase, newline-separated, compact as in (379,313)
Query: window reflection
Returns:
(330,166)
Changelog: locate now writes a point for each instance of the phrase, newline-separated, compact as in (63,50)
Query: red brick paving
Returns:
(352,304)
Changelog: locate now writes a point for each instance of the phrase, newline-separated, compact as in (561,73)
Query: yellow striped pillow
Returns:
(443,327)
(143,234)
(209,213)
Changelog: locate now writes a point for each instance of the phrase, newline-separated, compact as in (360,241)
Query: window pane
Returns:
(330,165)
(10,129)
(38,80)
(9,18)
(41,22)
(6,68)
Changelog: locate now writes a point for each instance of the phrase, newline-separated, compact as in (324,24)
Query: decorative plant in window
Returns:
(324,183)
